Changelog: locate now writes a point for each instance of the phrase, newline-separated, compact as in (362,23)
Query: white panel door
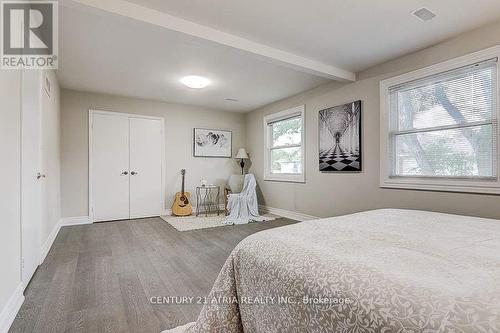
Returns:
(145,167)
(32,177)
(110,167)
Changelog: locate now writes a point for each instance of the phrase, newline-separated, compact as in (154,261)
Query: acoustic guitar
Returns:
(182,205)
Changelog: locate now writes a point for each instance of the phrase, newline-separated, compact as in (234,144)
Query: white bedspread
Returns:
(389,270)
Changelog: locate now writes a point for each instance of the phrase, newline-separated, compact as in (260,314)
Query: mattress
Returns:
(377,271)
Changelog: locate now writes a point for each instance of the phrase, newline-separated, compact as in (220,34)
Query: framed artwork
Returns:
(340,138)
(212,143)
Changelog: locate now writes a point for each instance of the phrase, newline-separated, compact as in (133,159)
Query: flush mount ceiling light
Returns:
(423,14)
(195,82)
(231,99)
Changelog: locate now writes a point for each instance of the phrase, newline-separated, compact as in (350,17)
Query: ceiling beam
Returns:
(158,18)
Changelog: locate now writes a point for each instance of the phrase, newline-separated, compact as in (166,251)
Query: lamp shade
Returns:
(242,153)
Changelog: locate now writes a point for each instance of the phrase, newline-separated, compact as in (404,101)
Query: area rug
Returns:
(188,223)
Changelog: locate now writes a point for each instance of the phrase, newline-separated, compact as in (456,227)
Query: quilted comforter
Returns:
(377,271)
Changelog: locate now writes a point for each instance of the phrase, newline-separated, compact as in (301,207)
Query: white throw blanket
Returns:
(243,207)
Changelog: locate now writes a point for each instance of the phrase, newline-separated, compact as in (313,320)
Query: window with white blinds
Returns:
(440,127)
(445,125)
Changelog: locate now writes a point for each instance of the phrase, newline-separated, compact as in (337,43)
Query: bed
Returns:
(378,271)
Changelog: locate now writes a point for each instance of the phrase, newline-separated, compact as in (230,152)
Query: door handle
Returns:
(40,175)
(133,173)
(124,173)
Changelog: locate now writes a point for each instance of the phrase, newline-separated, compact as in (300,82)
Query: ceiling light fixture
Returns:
(195,82)
(423,14)
(231,99)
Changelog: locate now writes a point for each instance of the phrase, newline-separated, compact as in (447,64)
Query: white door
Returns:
(145,167)
(48,205)
(110,167)
(32,177)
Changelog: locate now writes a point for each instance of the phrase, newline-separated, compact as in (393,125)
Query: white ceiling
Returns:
(102,51)
(109,54)
(350,34)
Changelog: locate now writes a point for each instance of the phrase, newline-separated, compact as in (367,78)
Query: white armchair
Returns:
(243,207)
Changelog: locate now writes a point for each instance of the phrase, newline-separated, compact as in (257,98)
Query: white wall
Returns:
(10,188)
(179,123)
(328,194)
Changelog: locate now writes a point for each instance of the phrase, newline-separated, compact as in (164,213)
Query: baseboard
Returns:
(287,213)
(11,308)
(169,211)
(50,240)
(77,220)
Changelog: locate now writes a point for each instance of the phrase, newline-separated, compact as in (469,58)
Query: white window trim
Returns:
(427,183)
(294,178)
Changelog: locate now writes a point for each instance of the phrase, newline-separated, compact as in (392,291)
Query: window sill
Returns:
(285,178)
(478,187)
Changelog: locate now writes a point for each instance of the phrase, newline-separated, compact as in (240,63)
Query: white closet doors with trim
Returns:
(126,166)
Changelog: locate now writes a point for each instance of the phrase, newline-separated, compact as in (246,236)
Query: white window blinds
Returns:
(445,125)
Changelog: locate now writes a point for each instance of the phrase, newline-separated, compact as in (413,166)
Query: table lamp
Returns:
(242,154)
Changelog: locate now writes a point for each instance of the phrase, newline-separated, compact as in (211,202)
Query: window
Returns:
(284,145)
(439,126)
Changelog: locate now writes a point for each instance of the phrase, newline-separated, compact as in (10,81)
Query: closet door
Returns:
(145,167)
(110,167)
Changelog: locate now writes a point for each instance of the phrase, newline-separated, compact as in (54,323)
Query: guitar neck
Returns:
(182,189)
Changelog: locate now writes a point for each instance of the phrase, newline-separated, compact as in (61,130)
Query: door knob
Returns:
(40,175)
(124,173)
(133,173)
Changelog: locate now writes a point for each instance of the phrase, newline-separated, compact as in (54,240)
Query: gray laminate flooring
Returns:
(100,277)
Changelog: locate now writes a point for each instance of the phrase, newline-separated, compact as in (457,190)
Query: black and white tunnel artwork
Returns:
(340,138)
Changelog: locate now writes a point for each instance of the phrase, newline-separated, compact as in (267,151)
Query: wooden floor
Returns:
(100,277)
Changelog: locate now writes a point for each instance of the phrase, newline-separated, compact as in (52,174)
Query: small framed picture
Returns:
(212,143)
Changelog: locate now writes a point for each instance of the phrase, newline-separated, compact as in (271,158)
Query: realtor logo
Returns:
(29,34)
